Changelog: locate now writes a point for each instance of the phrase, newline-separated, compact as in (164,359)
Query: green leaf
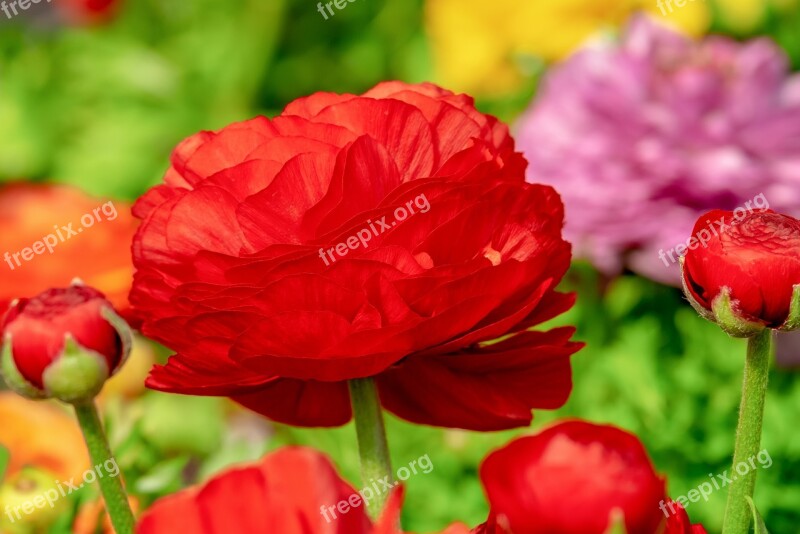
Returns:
(793,321)
(182,424)
(758,522)
(166,477)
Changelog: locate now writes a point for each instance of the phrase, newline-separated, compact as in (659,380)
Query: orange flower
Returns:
(41,434)
(60,233)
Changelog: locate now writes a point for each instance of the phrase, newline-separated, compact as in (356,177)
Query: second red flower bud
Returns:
(63,343)
(747,277)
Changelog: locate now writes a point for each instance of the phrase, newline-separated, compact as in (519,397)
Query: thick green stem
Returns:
(116,500)
(372,448)
(748,433)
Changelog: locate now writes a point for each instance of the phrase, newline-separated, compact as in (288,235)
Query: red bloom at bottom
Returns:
(576,478)
(295,490)
(289,491)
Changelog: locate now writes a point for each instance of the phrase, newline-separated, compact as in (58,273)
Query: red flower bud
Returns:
(574,478)
(747,276)
(63,343)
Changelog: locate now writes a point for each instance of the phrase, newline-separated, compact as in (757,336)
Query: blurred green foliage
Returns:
(103,107)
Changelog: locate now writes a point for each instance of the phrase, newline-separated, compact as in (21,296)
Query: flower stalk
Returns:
(116,500)
(748,433)
(373,449)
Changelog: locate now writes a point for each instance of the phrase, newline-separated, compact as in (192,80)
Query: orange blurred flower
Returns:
(41,434)
(59,233)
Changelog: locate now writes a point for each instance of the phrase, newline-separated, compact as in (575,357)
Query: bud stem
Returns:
(372,447)
(748,433)
(113,493)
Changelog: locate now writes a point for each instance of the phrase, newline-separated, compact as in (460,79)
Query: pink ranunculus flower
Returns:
(643,136)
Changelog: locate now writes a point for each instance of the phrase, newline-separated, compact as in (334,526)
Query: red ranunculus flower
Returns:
(572,478)
(62,331)
(289,491)
(390,235)
(755,256)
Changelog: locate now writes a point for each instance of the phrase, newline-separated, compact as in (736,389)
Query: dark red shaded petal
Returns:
(301,402)
(483,388)
(212,376)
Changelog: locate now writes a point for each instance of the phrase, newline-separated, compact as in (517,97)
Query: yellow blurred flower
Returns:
(129,381)
(477,45)
(693,18)
(28,487)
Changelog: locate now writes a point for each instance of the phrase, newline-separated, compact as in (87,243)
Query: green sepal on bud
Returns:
(727,312)
(13,378)
(793,321)
(727,315)
(724,311)
(77,375)
(123,330)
